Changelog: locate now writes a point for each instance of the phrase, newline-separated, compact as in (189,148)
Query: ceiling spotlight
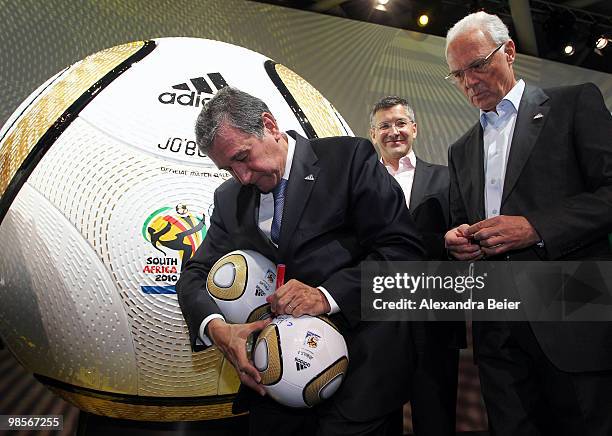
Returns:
(382,2)
(601,43)
(569,49)
(423,20)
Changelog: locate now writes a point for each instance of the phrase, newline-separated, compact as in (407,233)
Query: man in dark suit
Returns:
(340,208)
(532,181)
(393,129)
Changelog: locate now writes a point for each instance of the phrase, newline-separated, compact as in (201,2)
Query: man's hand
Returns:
(503,233)
(231,340)
(295,298)
(461,246)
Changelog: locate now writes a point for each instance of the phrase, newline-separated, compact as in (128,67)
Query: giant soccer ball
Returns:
(302,360)
(103,197)
(239,283)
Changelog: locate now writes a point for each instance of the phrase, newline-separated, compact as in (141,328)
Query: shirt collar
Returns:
(290,152)
(508,105)
(406,163)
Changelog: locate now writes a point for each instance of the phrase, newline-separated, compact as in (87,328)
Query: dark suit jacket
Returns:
(429,206)
(559,176)
(352,211)
(429,210)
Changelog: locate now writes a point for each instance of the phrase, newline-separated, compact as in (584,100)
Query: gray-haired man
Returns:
(532,180)
(340,208)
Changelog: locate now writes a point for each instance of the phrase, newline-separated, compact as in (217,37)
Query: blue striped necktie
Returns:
(279,202)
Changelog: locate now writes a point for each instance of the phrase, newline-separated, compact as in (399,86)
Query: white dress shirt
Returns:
(498,131)
(405,173)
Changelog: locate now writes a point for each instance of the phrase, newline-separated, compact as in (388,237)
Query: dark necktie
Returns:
(279,202)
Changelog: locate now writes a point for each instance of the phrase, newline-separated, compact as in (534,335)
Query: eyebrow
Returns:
(477,60)
(238,153)
(471,64)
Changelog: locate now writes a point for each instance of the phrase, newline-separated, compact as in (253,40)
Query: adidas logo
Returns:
(198,90)
(259,292)
(300,364)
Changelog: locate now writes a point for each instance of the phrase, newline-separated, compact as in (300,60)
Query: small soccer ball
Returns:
(302,360)
(182,209)
(239,283)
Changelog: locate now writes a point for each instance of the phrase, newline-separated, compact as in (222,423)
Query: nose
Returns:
(470,79)
(242,174)
(394,130)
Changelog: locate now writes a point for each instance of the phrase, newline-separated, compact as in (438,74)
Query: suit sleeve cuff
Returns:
(202,338)
(332,303)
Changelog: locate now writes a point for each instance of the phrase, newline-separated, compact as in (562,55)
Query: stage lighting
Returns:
(601,43)
(569,49)
(423,20)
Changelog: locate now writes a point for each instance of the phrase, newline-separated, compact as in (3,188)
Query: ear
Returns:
(269,123)
(372,135)
(510,51)
(414,130)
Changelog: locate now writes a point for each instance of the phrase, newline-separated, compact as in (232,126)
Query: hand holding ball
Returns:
(302,361)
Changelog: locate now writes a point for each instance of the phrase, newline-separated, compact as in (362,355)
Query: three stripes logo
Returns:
(195,92)
(301,364)
(259,292)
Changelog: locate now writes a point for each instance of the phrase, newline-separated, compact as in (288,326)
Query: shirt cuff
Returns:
(332,303)
(201,333)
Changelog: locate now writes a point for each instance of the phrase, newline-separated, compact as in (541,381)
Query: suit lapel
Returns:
(526,132)
(302,180)
(247,215)
(422,175)
(471,175)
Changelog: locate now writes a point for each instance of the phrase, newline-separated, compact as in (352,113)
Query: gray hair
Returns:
(233,108)
(491,25)
(389,102)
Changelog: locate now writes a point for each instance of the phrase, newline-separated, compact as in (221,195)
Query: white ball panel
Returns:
(224,277)
(67,308)
(330,346)
(149,129)
(330,388)
(287,394)
(260,357)
(107,191)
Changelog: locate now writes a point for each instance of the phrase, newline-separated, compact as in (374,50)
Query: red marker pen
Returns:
(280,275)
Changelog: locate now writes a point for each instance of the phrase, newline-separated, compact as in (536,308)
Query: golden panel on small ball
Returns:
(313,388)
(274,370)
(238,284)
